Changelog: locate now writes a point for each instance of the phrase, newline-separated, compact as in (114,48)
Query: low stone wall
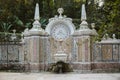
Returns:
(105,67)
(93,67)
(81,66)
(78,66)
(17,67)
(36,67)
(97,66)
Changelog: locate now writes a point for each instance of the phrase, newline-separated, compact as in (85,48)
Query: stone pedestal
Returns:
(34,53)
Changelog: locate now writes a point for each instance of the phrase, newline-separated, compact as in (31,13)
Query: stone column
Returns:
(34,42)
(49,57)
(21,53)
(37,49)
(26,50)
(84,36)
(43,52)
(74,49)
(34,53)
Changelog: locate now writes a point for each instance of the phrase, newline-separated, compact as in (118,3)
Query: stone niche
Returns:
(60,28)
(66,47)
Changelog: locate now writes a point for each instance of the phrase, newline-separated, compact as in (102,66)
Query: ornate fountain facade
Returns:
(60,41)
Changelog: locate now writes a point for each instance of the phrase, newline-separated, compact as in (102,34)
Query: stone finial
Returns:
(36,16)
(60,11)
(13,37)
(84,24)
(84,29)
(93,29)
(106,37)
(36,23)
(14,31)
(113,36)
(103,38)
(93,25)
(22,37)
(83,13)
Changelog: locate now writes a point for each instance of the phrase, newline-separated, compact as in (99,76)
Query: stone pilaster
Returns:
(21,53)
(37,52)
(84,41)
(34,44)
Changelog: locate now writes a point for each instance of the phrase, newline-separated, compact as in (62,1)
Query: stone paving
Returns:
(51,76)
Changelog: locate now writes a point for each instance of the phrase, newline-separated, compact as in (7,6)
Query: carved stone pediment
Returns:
(60,24)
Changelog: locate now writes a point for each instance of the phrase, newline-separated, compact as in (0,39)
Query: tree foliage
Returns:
(108,17)
(20,13)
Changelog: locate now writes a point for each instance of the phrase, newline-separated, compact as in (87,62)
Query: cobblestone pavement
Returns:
(51,76)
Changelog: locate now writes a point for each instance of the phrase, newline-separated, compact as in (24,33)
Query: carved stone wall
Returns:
(66,46)
(82,49)
(109,52)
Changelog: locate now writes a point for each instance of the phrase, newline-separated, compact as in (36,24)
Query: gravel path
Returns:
(51,76)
